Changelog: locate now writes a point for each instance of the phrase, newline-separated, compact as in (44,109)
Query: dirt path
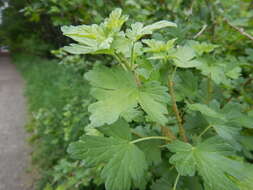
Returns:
(13,148)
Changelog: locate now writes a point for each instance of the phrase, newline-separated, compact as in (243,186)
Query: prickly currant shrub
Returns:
(161,117)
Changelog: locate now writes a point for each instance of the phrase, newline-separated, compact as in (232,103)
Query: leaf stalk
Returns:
(205,130)
(176,182)
(150,138)
(121,61)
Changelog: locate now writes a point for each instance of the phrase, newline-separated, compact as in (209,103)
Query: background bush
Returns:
(58,95)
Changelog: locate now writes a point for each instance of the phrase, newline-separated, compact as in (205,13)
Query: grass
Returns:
(48,84)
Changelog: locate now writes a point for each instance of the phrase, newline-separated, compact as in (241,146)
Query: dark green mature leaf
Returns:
(231,113)
(235,115)
(184,162)
(205,110)
(186,85)
(152,150)
(162,184)
(126,165)
(210,159)
(117,92)
(227,121)
(119,129)
(124,162)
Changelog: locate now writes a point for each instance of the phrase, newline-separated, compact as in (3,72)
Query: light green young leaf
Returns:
(122,45)
(234,73)
(92,131)
(203,47)
(137,30)
(117,93)
(211,160)
(91,38)
(219,71)
(81,49)
(215,72)
(156,46)
(184,57)
(160,49)
(232,68)
(115,21)
(95,38)
(48,187)
(125,163)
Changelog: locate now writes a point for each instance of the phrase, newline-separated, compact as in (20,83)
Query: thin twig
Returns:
(241,30)
(201,31)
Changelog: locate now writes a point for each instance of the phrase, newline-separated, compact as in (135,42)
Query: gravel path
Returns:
(14,151)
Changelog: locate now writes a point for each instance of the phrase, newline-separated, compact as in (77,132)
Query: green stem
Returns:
(175,108)
(209,89)
(205,130)
(173,73)
(132,55)
(150,138)
(137,79)
(117,58)
(136,134)
(121,61)
(136,76)
(176,182)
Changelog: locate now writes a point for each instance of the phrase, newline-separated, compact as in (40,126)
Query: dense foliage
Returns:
(58,104)
(178,91)
(170,101)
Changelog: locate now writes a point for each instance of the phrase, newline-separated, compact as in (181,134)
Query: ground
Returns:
(14,151)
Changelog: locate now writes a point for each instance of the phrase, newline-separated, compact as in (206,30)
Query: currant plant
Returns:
(161,116)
